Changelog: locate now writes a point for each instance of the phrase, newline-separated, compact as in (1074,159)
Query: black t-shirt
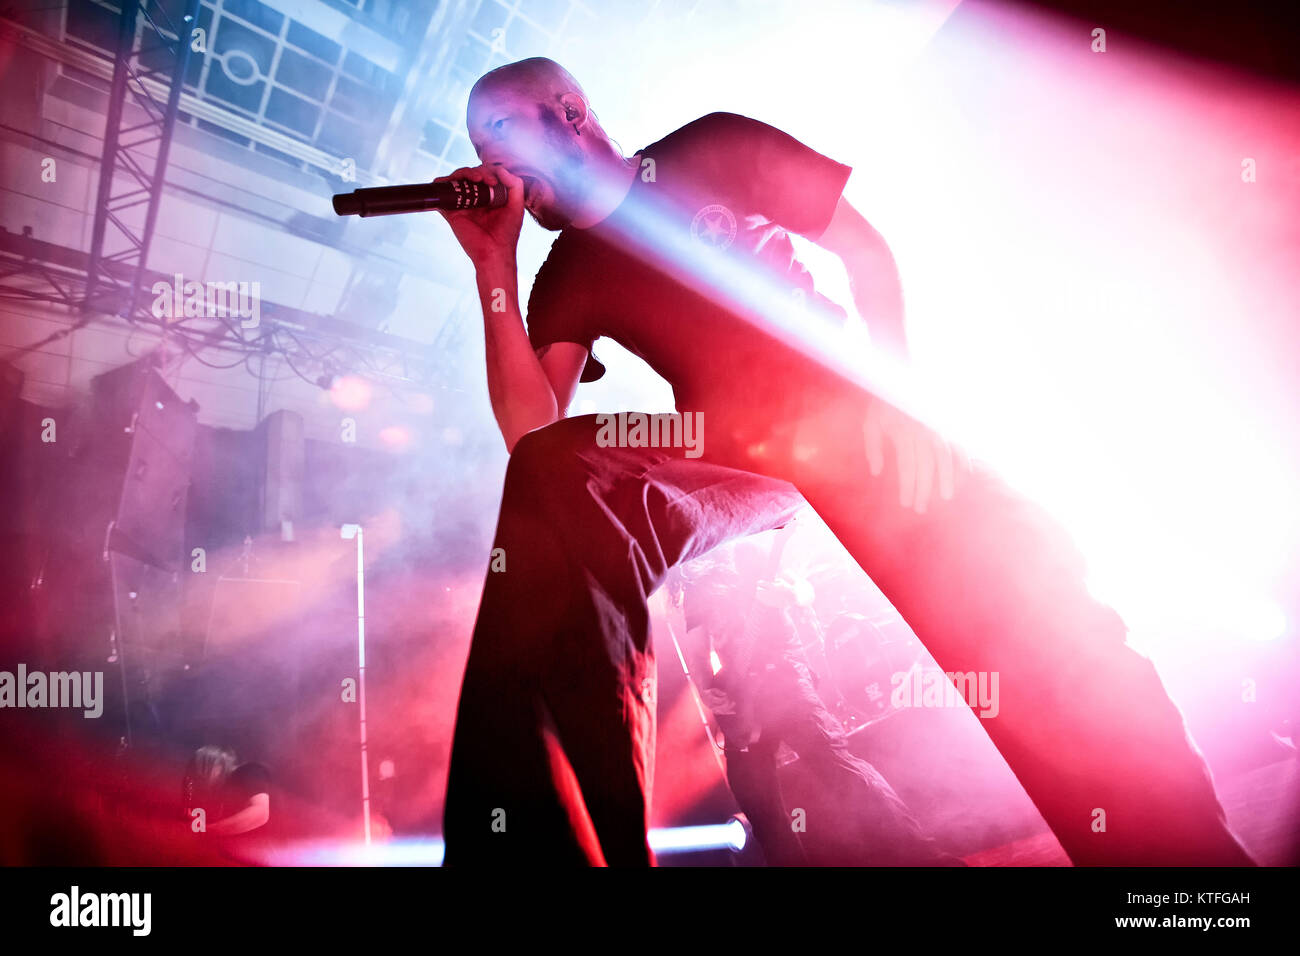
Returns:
(245,782)
(699,243)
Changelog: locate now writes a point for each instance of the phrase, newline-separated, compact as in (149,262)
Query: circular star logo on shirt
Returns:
(714,225)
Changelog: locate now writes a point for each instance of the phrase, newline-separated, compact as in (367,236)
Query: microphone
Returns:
(419,197)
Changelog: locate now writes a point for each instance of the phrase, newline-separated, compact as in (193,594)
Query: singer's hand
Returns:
(924,458)
(488,234)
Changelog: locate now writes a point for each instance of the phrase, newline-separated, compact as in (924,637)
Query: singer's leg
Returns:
(992,586)
(563,635)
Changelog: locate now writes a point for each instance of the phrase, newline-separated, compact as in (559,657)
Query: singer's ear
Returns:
(575,108)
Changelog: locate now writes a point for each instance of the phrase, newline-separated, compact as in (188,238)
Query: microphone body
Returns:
(419,197)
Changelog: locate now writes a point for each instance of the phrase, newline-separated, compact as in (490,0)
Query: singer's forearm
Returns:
(873,275)
(521,395)
(878,296)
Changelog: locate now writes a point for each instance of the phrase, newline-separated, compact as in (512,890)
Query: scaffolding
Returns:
(151,46)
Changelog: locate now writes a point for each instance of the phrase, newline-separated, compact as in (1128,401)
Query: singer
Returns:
(681,253)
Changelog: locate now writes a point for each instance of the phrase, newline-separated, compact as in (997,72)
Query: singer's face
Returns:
(535,144)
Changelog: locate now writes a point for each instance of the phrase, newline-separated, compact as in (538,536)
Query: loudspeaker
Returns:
(149,443)
(146,646)
(286,453)
(148,602)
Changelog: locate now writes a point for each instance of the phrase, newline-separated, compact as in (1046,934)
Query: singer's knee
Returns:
(547,461)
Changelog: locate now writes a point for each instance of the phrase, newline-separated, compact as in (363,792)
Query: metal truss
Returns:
(152,47)
(315,347)
(113,278)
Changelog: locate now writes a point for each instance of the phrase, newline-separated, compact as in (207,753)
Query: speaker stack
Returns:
(141,477)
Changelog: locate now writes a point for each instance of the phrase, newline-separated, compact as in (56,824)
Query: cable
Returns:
(52,337)
(295,345)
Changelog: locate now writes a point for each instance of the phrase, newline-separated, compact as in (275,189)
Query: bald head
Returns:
(539,79)
(531,118)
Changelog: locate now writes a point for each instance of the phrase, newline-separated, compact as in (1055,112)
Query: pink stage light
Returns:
(396,437)
(351,393)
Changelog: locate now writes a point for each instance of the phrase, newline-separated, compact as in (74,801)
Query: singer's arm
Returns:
(527,391)
(925,461)
(873,276)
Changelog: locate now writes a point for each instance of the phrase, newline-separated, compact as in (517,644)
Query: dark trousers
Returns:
(553,749)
